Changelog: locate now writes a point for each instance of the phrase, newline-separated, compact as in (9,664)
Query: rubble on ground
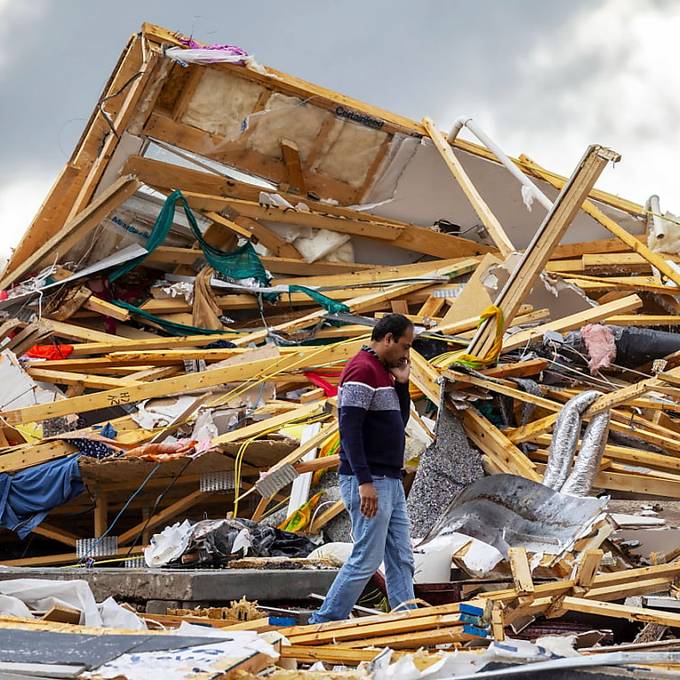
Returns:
(173,325)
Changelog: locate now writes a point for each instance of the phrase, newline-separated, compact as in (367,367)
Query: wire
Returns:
(238,462)
(158,500)
(120,513)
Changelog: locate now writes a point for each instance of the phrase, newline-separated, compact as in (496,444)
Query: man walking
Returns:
(374,408)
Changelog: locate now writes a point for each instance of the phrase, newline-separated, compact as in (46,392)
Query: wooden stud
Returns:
(101,513)
(588,565)
(548,235)
(633,242)
(521,571)
(492,225)
(291,158)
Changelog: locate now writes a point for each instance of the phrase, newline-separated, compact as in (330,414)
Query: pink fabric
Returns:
(229,49)
(600,344)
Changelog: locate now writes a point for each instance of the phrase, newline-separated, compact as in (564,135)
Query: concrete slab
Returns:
(197,585)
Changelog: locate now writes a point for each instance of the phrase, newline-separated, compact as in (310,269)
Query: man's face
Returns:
(396,351)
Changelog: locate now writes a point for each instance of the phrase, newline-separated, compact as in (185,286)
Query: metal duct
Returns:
(565,438)
(587,463)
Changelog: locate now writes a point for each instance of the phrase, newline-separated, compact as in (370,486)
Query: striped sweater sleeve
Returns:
(356,394)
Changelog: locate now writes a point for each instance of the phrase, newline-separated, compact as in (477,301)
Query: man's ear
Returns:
(389,337)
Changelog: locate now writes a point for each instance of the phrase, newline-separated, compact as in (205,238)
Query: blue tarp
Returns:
(28,495)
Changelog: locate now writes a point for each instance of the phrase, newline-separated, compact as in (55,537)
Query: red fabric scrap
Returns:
(328,389)
(50,352)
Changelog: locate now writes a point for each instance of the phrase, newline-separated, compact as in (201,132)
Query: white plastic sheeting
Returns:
(168,545)
(205,661)
(43,594)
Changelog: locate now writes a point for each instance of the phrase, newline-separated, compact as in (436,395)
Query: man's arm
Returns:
(355,398)
(404,401)
(401,377)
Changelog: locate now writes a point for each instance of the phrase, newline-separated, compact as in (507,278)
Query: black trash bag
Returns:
(216,542)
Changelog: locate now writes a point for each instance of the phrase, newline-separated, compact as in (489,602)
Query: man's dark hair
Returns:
(397,324)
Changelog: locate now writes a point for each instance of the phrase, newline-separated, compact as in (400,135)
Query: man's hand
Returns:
(402,372)
(369,499)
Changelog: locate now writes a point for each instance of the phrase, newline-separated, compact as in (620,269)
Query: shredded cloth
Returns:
(206,312)
(27,496)
(50,352)
(241,263)
(163,452)
(601,346)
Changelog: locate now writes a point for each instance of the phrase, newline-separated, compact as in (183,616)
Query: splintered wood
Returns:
(178,328)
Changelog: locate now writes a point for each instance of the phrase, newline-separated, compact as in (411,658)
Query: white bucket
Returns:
(433,567)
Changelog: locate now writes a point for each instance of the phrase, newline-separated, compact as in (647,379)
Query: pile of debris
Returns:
(176,317)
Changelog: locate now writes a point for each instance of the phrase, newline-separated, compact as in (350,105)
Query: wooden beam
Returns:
(101,513)
(619,611)
(332,654)
(492,225)
(547,237)
(573,321)
(56,534)
(62,559)
(127,395)
(248,228)
(76,229)
(362,303)
(96,382)
(70,331)
(588,565)
(291,159)
(326,516)
(401,235)
(174,509)
(104,347)
(521,571)
(269,424)
(489,439)
(95,304)
(634,243)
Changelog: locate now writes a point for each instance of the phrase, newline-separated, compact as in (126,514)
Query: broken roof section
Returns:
(226,130)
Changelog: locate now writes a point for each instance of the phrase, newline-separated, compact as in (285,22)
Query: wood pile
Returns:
(223,239)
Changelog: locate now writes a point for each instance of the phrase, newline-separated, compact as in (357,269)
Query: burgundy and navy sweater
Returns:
(373,412)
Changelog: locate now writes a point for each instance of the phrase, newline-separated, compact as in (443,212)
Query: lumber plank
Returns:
(655,259)
(547,236)
(117,343)
(489,439)
(489,220)
(127,395)
(174,509)
(56,534)
(291,159)
(521,572)
(619,611)
(275,422)
(573,321)
(96,382)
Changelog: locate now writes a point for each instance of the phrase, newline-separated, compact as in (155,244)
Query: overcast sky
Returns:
(543,77)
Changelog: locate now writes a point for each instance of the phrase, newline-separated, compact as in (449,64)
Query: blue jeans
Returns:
(386,536)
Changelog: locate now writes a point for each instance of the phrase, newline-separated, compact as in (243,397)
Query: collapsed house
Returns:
(176,317)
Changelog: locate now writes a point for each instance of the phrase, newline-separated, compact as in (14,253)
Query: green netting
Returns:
(330,305)
(171,327)
(241,263)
